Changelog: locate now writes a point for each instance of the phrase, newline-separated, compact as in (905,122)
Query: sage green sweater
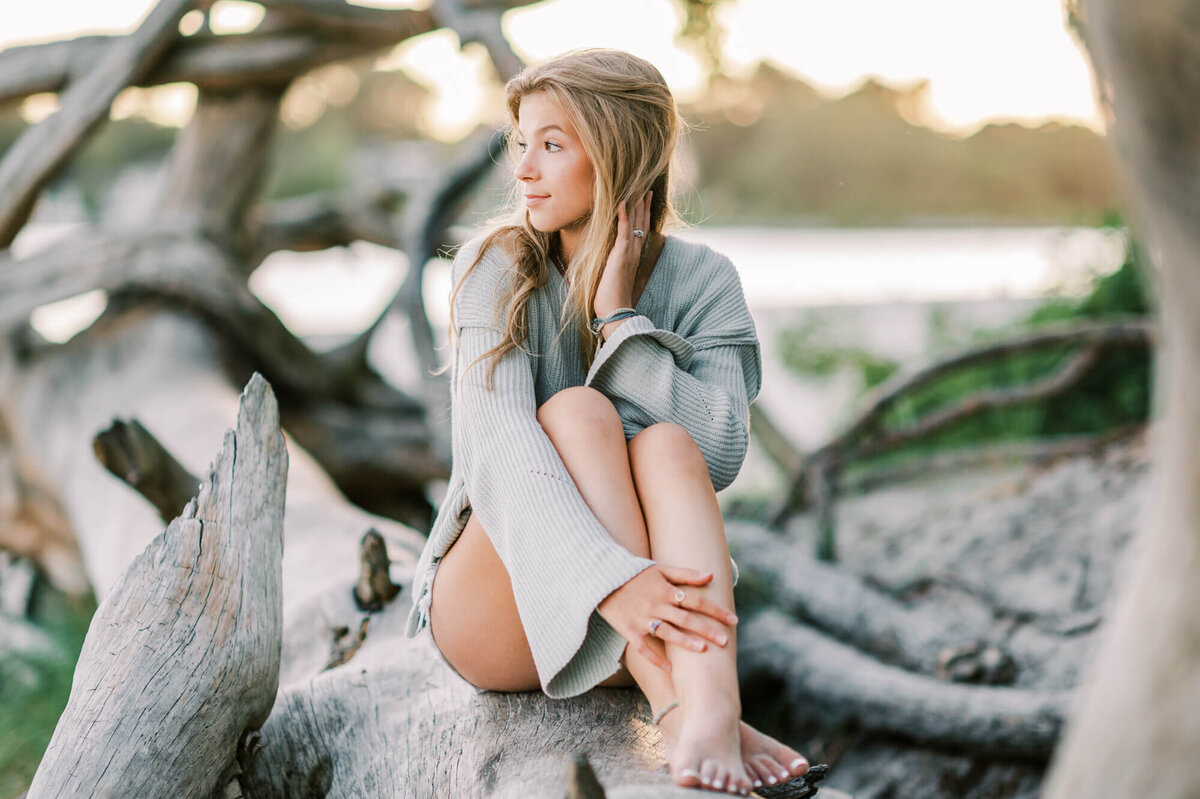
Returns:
(690,356)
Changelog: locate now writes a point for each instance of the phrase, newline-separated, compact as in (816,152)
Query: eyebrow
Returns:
(545,128)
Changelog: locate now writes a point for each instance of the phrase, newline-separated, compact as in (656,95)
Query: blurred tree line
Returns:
(767,149)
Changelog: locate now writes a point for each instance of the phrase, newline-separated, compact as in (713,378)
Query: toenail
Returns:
(798,762)
(758,783)
(718,785)
(783,775)
(771,780)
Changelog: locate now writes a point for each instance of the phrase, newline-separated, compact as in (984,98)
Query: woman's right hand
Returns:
(651,595)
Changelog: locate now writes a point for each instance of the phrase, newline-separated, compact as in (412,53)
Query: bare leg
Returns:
(685,528)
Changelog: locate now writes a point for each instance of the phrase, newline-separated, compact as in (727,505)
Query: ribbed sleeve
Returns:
(654,375)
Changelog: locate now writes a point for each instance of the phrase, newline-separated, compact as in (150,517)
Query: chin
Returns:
(543,225)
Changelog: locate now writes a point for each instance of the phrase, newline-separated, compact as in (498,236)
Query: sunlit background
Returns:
(984,61)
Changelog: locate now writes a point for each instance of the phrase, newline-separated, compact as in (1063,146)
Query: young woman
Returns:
(601,378)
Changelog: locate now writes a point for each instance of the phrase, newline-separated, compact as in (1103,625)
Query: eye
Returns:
(553,146)
(521,145)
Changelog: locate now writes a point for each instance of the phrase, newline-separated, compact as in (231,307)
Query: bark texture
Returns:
(1138,729)
(195,618)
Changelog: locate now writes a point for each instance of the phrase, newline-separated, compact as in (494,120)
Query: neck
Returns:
(568,243)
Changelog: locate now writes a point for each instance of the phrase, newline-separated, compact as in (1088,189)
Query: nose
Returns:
(525,169)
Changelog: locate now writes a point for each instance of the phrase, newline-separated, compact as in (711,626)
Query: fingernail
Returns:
(721,640)
(732,619)
(698,647)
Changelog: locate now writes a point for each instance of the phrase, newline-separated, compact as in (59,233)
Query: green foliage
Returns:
(29,713)
(108,152)
(1115,393)
(803,351)
(312,159)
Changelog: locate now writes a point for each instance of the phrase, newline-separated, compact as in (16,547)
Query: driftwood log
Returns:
(1136,732)
(194,621)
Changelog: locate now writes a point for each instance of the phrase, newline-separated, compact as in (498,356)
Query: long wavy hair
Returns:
(628,123)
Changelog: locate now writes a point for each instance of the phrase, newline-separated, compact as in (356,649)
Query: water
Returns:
(337,292)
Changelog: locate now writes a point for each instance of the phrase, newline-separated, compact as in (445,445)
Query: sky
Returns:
(984,60)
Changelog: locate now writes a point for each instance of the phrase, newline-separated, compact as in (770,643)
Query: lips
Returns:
(535,199)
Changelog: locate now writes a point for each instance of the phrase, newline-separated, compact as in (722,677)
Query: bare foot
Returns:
(704,749)
(769,762)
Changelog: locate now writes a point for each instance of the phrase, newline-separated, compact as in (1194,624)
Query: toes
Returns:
(760,774)
(708,774)
(794,762)
(728,782)
(687,778)
(774,771)
(753,775)
(798,766)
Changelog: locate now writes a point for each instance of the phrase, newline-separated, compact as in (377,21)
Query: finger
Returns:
(695,623)
(671,634)
(644,213)
(685,576)
(643,648)
(709,608)
(622,221)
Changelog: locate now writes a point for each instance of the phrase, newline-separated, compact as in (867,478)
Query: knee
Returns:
(668,446)
(580,407)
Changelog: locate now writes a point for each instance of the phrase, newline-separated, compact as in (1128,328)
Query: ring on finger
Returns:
(679,597)
(654,625)
(639,233)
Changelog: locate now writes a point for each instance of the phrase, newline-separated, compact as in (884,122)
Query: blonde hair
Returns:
(628,123)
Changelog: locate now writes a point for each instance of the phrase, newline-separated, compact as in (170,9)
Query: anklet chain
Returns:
(659,717)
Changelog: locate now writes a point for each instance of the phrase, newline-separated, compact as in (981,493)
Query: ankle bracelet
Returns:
(659,717)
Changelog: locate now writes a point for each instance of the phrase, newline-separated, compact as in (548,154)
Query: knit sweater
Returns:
(689,356)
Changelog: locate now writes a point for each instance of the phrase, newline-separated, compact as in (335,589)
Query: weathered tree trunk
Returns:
(1138,727)
(195,619)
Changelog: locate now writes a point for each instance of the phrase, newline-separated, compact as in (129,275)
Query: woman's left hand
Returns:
(620,271)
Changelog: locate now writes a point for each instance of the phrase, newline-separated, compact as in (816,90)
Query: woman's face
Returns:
(554,171)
